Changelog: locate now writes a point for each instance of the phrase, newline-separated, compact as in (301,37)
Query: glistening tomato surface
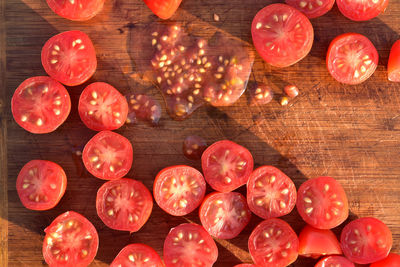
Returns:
(322,203)
(69,57)
(124,204)
(108,155)
(270,193)
(40,104)
(224,215)
(137,255)
(392,260)
(315,242)
(226,165)
(163,8)
(282,35)
(360,10)
(41,184)
(79,10)
(312,8)
(366,240)
(334,261)
(189,245)
(71,240)
(273,243)
(351,58)
(179,190)
(394,63)
(102,107)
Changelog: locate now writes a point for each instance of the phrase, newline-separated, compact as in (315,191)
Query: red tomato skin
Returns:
(334,261)
(392,260)
(17,112)
(164,9)
(91,9)
(90,53)
(63,217)
(315,242)
(325,8)
(146,251)
(360,14)
(394,63)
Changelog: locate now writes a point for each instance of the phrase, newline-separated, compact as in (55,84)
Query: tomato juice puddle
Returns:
(143,107)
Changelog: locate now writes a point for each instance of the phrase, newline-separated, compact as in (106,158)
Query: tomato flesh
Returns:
(224,215)
(69,57)
(361,10)
(71,240)
(334,261)
(315,242)
(270,193)
(124,204)
(351,58)
(78,10)
(163,8)
(41,184)
(282,35)
(189,245)
(193,147)
(40,104)
(137,255)
(322,203)
(366,240)
(392,260)
(179,190)
(394,63)
(273,243)
(143,107)
(226,165)
(312,8)
(261,94)
(102,107)
(108,155)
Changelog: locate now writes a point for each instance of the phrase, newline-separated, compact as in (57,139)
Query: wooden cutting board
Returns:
(351,133)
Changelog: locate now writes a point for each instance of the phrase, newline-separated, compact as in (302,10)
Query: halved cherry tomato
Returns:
(361,10)
(41,184)
(315,242)
(102,107)
(108,155)
(163,8)
(124,204)
(270,193)
(226,165)
(394,63)
(245,265)
(40,104)
(71,240)
(351,58)
(312,8)
(137,255)
(69,57)
(78,10)
(334,261)
(179,190)
(392,260)
(273,243)
(282,35)
(189,245)
(224,215)
(366,240)
(322,203)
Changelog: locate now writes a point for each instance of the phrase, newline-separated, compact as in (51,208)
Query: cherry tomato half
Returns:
(163,8)
(40,104)
(334,261)
(224,215)
(102,107)
(312,8)
(179,190)
(282,35)
(361,10)
(189,245)
(78,10)
(245,265)
(226,165)
(124,204)
(270,193)
(322,203)
(392,260)
(137,255)
(108,155)
(394,63)
(273,243)
(366,240)
(315,242)
(71,240)
(69,57)
(351,58)
(41,184)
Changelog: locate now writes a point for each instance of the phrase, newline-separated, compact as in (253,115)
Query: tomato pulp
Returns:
(361,10)
(78,10)
(312,8)
(137,255)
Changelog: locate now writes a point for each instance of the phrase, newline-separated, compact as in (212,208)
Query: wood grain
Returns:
(351,133)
